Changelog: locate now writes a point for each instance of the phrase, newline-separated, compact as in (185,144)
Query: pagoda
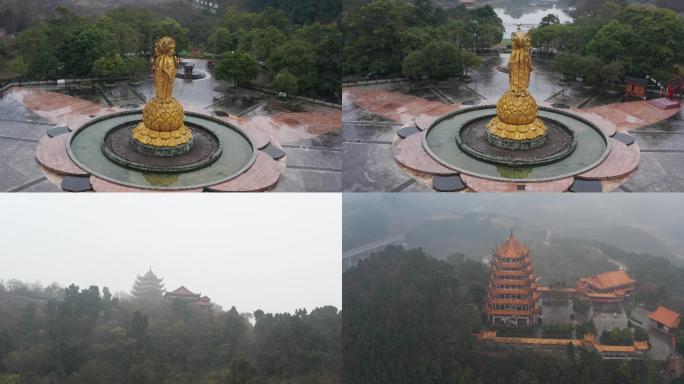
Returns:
(148,287)
(512,294)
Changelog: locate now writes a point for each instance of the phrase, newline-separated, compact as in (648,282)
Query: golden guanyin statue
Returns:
(163,116)
(516,112)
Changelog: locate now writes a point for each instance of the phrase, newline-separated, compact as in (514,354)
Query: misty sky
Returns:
(275,252)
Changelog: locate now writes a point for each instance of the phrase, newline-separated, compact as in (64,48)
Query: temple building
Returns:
(148,287)
(665,320)
(606,287)
(512,296)
(184,294)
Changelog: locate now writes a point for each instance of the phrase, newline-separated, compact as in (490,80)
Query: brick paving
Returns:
(630,115)
(262,176)
(398,107)
(478,184)
(621,161)
(411,154)
(58,108)
(52,154)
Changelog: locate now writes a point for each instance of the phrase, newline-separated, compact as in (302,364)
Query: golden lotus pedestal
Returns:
(162,132)
(516,125)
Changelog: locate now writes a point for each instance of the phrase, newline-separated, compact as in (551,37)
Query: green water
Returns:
(237,156)
(441,140)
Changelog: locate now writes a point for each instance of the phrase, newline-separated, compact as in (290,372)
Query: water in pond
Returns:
(528,12)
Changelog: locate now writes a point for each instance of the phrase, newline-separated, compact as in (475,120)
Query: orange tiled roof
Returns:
(512,248)
(666,317)
(607,280)
(183,291)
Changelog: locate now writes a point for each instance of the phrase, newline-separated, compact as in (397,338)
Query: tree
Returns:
(236,67)
(285,82)
(299,58)
(581,305)
(371,34)
(591,69)
(39,50)
(612,42)
(437,60)
(413,66)
(136,66)
(260,43)
(399,310)
(469,60)
(613,73)
(241,372)
(109,66)
(549,19)
(170,27)
(83,45)
(221,41)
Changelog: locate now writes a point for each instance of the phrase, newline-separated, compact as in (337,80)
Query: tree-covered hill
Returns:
(409,318)
(72,335)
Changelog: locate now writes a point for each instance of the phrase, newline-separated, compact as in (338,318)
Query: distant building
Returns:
(665,320)
(148,287)
(211,5)
(636,87)
(185,295)
(512,296)
(607,287)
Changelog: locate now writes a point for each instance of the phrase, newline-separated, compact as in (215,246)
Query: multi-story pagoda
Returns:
(148,287)
(512,295)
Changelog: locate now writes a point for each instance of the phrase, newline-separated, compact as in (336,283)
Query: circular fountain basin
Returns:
(443,141)
(229,157)
(203,149)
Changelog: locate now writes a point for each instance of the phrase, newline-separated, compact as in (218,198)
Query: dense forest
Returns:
(72,335)
(416,38)
(409,319)
(609,40)
(297,48)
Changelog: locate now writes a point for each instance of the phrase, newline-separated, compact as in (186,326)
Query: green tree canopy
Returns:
(236,67)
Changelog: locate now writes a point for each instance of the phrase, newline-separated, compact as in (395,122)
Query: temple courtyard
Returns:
(298,139)
(379,156)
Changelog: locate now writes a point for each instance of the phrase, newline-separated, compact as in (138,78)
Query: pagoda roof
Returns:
(666,316)
(512,248)
(608,280)
(182,291)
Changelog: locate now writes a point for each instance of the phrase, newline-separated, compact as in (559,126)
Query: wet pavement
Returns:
(308,132)
(661,344)
(373,113)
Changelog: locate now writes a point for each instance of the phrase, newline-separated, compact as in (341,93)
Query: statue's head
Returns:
(521,40)
(165,46)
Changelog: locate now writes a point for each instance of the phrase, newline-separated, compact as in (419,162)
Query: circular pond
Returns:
(237,155)
(441,141)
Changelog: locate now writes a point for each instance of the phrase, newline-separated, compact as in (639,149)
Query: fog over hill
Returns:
(473,224)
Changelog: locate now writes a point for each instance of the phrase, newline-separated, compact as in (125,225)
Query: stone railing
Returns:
(58,82)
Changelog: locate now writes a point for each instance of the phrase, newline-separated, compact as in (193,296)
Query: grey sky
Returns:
(276,252)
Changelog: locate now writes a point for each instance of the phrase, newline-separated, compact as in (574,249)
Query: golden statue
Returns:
(163,117)
(516,112)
